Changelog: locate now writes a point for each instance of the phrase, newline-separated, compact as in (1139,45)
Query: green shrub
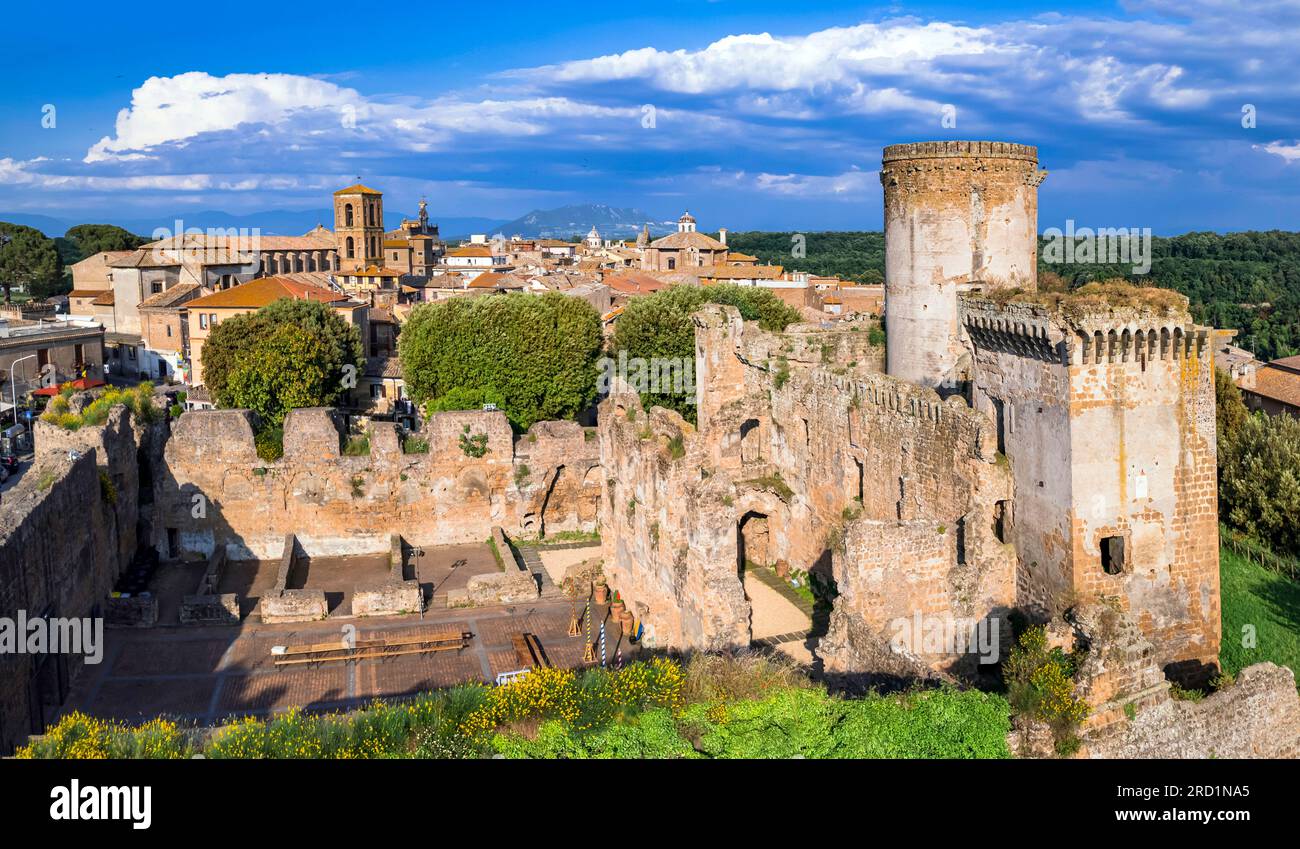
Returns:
(270,443)
(1040,684)
(730,707)
(107,490)
(474,445)
(1259,480)
(138,400)
(357,446)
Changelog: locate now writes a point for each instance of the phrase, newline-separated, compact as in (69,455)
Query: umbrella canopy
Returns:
(79,384)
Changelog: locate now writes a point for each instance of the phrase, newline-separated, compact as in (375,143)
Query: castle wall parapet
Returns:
(472,475)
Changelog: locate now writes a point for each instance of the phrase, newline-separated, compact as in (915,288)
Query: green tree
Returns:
(1230,411)
(291,353)
(534,357)
(29,259)
(86,240)
(660,326)
(1259,480)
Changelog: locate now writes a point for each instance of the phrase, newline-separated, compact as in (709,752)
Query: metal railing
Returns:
(1256,552)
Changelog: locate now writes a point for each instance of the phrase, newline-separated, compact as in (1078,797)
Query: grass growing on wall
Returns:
(711,707)
(1260,602)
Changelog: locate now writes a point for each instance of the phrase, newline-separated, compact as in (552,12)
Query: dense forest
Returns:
(1249,281)
(849,255)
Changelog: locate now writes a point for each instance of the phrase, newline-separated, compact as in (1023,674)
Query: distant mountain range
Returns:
(561,223)
(610,221)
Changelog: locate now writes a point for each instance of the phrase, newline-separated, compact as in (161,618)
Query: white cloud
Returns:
(176,110)
(1289,152)
(793,113)
(836,56)
(33,173)
(850,185)
(171,109)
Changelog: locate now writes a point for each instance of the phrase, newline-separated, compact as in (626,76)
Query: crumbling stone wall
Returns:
(215,490)
(668,528)
(118,444)
(1107,418)
(557,478)
(1133,715)
(65,539)
(58,558)
(840,465)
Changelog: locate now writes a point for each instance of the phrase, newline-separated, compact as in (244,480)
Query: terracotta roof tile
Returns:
(689,239)
(1280,384)
(169,297)
(256,294)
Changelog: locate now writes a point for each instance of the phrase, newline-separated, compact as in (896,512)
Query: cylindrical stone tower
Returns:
(958,215)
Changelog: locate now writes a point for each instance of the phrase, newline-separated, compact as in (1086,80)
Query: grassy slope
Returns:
(1259,597)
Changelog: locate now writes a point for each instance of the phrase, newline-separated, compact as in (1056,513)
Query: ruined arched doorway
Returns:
(753,544)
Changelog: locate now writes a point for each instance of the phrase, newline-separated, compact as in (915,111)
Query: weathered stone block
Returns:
(295,606)
(509,587)
(135,612)
(389,598)
(210,609)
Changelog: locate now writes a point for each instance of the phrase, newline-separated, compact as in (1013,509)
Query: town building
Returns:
(205,313)
(685,249)
(1272,388)
(36,354)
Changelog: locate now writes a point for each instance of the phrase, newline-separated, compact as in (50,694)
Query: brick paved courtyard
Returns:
(207,674)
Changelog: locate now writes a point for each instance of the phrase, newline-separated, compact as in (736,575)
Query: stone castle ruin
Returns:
(1019,452)
(1011,453)
(216,492)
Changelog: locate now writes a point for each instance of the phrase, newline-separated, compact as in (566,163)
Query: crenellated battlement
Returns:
(1089,329)
(465,474)
(955,149)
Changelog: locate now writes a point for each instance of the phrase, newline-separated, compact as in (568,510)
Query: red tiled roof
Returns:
(256,294)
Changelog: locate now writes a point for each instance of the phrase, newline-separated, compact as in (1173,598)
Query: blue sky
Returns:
(767,115)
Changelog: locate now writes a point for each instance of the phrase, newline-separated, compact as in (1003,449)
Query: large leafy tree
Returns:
(534,357)
(659,326)
(29,259)
(1259,480)
(291,353)
(89,239)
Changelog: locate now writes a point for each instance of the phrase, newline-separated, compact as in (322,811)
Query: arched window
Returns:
(351,252)
(347,216)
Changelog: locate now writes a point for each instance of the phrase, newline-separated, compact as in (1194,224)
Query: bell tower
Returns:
(359,227)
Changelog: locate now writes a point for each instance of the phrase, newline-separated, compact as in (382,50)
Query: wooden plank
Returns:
(523,651)
(538,652)
(368,655)
(368,649)
(443,637)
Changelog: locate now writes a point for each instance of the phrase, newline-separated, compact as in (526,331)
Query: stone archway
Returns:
(753,544)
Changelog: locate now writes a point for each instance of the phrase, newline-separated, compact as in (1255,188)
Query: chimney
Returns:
(722,235)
